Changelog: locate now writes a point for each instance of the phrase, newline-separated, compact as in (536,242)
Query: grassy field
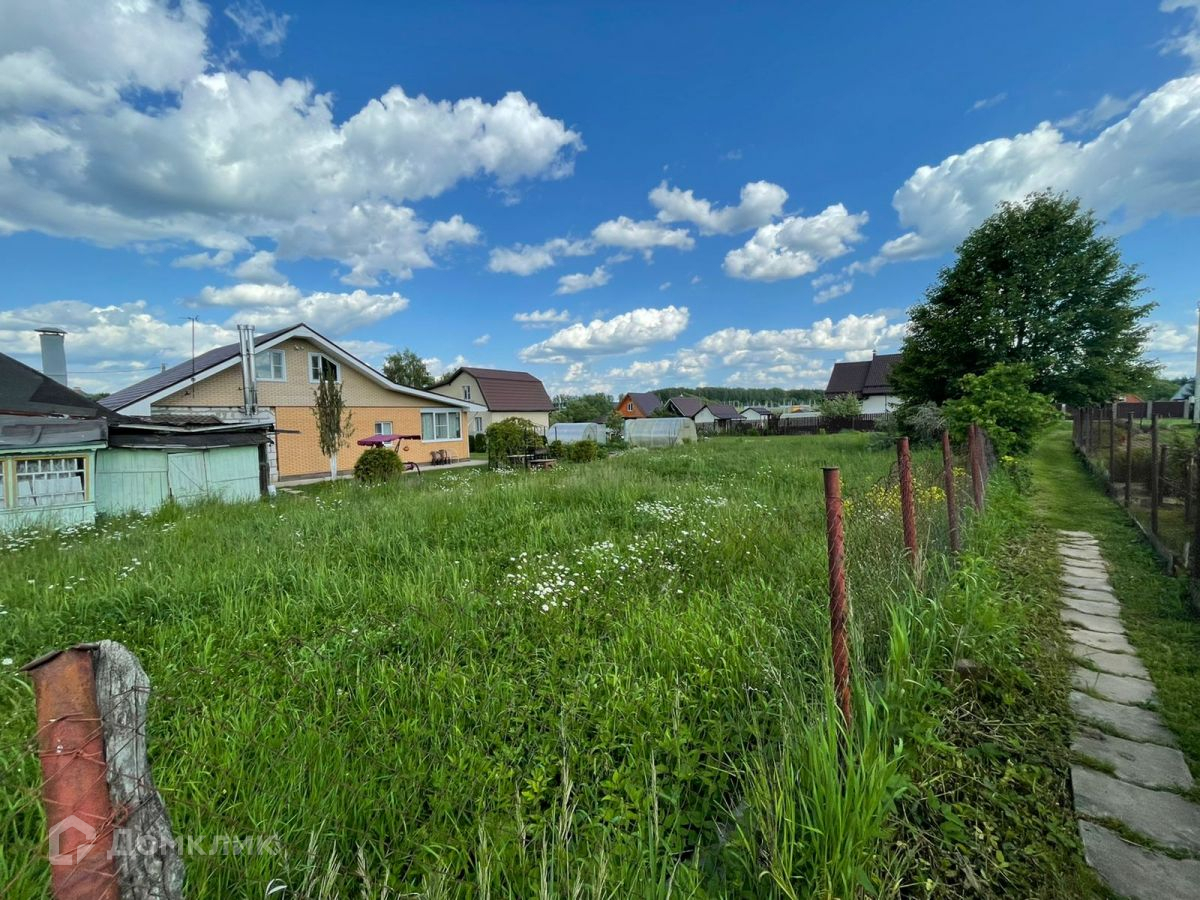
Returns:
(604,680)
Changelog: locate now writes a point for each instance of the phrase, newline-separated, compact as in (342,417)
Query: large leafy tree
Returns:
(1033,284)
(408,369)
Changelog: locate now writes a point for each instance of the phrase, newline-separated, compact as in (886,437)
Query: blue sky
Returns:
(612,196)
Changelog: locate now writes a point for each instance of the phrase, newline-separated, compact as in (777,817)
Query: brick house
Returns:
(272,379)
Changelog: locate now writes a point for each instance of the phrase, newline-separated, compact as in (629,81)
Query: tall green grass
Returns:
(606,680)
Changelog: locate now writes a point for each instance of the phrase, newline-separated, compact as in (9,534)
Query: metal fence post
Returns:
(948,480)
(1153,474)
(908,512)
(1128,457)
(1112,449)
(973,455)
(838,602)
(110,837)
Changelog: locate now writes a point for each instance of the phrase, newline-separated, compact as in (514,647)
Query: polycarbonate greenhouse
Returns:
(572,432)
(659,432)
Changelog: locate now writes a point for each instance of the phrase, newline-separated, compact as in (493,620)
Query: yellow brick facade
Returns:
(300,454)
(291,401)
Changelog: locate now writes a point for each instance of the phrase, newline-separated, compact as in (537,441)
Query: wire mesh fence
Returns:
(1151,466)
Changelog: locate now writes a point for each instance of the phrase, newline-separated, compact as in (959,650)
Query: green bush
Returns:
(557,449)
(511,436)
(845,406)
(378,464)
(477,443)
(1001,402)
(583,451)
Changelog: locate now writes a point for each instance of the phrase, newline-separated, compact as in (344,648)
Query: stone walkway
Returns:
(1130,770)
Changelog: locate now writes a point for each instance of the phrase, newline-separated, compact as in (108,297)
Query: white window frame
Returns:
(337,367)
(629,406)
(272,355)
(466,392)
(479,424)
(388,430)
(441,412)
(44,476)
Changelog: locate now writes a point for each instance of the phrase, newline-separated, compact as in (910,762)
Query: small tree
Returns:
(1001,402)
(844,406)
(408,369)
(333,420)
(509,437)
(615,423)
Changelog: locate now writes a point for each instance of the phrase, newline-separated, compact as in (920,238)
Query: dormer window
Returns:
(320,365)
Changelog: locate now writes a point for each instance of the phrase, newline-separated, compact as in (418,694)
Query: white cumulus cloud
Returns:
(525,259)
(646,236)
(796,246)
(583,281)
(1141,166)
(623,333)
(223,158)
(542,318)
(761,201)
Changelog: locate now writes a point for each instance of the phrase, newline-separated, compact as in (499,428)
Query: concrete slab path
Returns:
(1129,773)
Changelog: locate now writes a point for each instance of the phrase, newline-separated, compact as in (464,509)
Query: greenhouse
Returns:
(573,432)
(659,432)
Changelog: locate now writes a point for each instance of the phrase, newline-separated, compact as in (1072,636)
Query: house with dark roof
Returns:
(65,458)
(868,380)
(757,415)
(271,378)
(700,411)
(638,405)
(497,394)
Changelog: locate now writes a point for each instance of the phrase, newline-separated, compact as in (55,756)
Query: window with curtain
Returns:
(441,426)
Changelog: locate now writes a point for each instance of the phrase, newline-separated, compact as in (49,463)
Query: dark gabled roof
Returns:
(506,391)
(848,377)
(863,379)
(761,410)
(880,373)
(687,406)
(26,391)
(178,374)
(724,411)
(646,401)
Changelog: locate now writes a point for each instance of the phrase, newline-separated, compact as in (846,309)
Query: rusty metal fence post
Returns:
(1128,457)
(839,604)
(109,834)
(1112,450)
(1153,474)
(948,480)
(908,512)
(974,453)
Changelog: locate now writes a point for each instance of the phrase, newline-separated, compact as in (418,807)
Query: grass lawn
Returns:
(1154,606)
(607,679)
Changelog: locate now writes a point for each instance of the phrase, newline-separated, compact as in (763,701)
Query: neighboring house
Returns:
(65,458)
(717,415)
(270,379)
(638,405)
(868,381)
(497,394)
(758,416)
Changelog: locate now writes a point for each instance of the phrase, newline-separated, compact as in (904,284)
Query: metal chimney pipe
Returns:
(249,378)
(54,353)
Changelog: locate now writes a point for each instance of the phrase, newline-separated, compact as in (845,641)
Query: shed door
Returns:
(187,475)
